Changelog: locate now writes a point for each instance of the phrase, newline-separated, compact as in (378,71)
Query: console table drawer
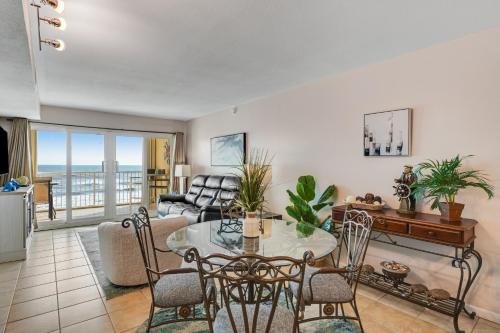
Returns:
(380,223)
(436,234)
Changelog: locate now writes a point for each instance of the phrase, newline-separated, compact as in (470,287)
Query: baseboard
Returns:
(485,314)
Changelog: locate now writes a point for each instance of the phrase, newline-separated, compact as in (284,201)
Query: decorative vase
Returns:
(251,225)
(451,211)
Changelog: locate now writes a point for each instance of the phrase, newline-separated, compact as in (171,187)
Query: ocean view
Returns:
(83,168)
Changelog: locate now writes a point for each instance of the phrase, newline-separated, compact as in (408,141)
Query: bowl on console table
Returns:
(362,205)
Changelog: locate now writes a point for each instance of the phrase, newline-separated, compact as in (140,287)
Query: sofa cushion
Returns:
(178,208)
(193,194)
(199,180)
(225,196)
(207,197)
(214,182)
(230,183)
(192,214)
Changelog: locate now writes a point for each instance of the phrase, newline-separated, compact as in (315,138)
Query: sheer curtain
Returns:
(179,157)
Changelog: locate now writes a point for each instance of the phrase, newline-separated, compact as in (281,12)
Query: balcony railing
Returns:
(88,188)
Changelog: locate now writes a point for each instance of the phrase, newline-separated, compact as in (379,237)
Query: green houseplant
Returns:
(254,184)
(440,181)
(302,207)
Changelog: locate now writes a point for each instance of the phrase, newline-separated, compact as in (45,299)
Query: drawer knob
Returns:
(431,233)
(381,221)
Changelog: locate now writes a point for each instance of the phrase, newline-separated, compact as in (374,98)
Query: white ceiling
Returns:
(182,59)
(18,97)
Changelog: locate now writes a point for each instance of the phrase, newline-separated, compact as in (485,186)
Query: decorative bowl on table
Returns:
(368,202)
(395,271)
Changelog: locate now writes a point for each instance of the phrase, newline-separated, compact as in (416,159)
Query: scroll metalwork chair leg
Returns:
(150,319)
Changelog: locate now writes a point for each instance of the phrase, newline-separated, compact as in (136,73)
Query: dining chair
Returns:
(250,287)
(177,288)
(333,287)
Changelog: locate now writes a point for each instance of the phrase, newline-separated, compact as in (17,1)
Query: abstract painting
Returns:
(228,150)
(388,133)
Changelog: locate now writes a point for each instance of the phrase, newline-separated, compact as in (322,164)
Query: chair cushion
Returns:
(282,321)
(327,288)
(179,289)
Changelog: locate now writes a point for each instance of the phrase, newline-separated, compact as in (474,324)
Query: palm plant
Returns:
(253,180)
(441,180)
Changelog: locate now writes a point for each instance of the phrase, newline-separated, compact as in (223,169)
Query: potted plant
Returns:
(252,188)
(302,208)
(440,181)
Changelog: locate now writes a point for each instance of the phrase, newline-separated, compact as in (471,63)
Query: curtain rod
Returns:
(95,127)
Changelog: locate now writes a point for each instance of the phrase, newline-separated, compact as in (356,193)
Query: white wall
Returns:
(68,116)
(454,89)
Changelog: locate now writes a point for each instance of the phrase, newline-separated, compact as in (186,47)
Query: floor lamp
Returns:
(182,171)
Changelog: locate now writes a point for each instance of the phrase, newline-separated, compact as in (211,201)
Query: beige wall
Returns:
(454,89)
(79,117)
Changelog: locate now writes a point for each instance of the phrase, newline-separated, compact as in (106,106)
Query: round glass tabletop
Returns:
(277,238)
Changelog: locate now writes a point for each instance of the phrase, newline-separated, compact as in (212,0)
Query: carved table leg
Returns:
(467,278)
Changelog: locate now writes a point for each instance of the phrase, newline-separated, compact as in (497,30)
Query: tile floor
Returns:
(55,290)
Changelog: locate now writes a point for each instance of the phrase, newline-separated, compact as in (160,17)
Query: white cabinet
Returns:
(16,218)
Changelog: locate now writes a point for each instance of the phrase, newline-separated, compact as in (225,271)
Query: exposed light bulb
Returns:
(59,6)
(61,24)
(59,45)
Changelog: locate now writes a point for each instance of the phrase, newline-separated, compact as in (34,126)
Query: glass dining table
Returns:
(277,238)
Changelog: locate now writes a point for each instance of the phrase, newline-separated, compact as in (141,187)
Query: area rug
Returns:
(321,326)
(90,241)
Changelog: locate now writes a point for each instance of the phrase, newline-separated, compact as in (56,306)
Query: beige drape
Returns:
(179,157)
(19,150)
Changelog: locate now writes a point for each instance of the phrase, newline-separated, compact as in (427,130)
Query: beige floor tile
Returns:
(374,326)
(420,326)
(72,272)
(147,293)
(28,294)
(485,326)
(8,286)
(129,318)
(78,296)
(6,298)
(132,330)
(40,254)
(75,283)
(66,245)
(130,300)
(9,276)
(41,247)
(36,280)
(67,239)
(445,322)
(4,314)
(70,264)
(402,305)
(100,324)
(81,312)
(36,270)
(10,266)
(32,308)
(65,250)
(380,313)
(69,256)
(44,323)
(38,261)
(2,328)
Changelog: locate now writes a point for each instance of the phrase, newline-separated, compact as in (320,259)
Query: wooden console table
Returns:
(427,228)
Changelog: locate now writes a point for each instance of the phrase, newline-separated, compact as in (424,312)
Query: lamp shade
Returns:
(183,170)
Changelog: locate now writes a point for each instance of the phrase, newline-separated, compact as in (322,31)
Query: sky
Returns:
(87,149)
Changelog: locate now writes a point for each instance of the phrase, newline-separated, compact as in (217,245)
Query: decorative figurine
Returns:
(403,191)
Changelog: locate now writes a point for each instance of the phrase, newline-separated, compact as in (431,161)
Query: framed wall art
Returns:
(387,133)
(228,150)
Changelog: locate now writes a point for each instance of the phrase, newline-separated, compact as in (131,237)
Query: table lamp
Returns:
(182,171)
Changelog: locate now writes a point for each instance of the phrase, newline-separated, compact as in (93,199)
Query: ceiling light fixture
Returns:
(58,23)
(55,43)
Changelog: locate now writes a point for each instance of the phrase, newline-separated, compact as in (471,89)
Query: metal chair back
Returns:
(144,235)
(355,235)
(251,280)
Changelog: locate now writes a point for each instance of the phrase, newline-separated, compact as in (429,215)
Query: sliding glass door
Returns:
(93,175)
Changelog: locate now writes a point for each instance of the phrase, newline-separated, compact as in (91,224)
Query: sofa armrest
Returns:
(210,208)
(171,197)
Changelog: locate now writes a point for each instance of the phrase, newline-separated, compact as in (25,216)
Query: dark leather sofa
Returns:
(203,200)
